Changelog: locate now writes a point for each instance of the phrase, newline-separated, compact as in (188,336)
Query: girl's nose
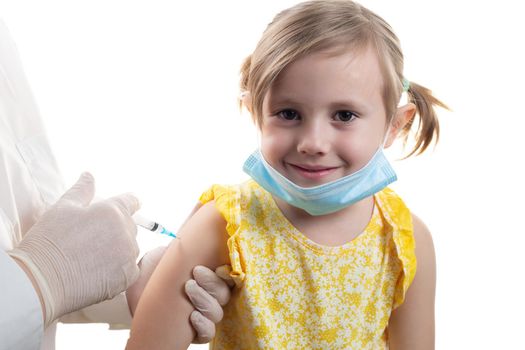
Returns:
(314,139)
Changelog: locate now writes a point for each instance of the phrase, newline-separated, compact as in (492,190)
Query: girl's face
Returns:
(324,117)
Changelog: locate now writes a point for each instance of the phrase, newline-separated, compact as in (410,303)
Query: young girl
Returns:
(322,252)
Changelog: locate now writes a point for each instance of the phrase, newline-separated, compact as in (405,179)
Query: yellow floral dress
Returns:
(292,293)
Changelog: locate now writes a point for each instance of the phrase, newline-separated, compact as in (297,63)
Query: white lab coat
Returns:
(29,183)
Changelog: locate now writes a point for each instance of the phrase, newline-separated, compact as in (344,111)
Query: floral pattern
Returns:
(292,293)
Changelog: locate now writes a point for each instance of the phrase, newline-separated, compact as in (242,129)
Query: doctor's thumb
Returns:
(127,202)
(82,192)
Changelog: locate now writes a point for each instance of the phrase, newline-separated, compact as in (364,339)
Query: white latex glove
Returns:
(81,253)
(146,266)
(207,292)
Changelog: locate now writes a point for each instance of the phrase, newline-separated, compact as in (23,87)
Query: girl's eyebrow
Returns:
(348,104)
(284,101)
(345,103)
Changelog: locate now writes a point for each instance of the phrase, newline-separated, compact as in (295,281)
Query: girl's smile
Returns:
(312,172)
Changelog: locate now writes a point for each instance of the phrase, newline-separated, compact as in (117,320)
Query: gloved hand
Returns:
(146,267)
(81,253)
(207,292)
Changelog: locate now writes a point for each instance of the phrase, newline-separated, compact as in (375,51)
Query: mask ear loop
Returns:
(385,138)
(403,100)
(258,135)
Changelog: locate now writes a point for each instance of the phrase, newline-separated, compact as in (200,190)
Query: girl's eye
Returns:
(288,114)
(345,116)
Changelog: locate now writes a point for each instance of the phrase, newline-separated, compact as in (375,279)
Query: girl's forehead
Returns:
(341,72)
(356,61)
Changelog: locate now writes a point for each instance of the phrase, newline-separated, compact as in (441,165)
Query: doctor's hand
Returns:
(79,253)
(207,292)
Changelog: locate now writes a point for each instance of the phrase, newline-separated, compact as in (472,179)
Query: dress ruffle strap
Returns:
(399,218)
(227,202)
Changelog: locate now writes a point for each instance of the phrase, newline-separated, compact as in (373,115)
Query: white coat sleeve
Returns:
(28,172)
(21,320)
(115,312)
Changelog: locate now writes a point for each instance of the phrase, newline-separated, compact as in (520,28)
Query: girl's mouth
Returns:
(313,172)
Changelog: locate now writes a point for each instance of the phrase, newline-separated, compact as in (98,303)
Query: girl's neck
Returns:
(333,229)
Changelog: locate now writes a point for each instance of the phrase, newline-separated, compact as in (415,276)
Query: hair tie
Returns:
(406,85)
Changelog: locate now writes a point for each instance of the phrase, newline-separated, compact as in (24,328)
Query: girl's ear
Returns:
(404,114)
(246,100)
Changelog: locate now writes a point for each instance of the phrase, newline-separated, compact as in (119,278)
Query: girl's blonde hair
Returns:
(322,25)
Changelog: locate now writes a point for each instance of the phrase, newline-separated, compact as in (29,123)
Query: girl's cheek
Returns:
(356,151)
(274,145)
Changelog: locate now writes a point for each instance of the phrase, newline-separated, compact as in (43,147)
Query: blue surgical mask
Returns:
(327,198)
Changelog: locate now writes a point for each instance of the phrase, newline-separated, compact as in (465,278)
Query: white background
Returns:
(143,95)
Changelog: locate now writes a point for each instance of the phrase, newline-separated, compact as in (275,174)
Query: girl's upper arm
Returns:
(161,320)
(412,325)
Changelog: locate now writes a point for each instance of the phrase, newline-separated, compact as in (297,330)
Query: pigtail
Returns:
(428,125)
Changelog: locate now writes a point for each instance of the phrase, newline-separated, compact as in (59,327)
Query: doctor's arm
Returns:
(70,260)
(412,325)
(21,322)
(162,317)
(67,260)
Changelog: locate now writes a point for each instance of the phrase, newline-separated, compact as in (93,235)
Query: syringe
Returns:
(152,225)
